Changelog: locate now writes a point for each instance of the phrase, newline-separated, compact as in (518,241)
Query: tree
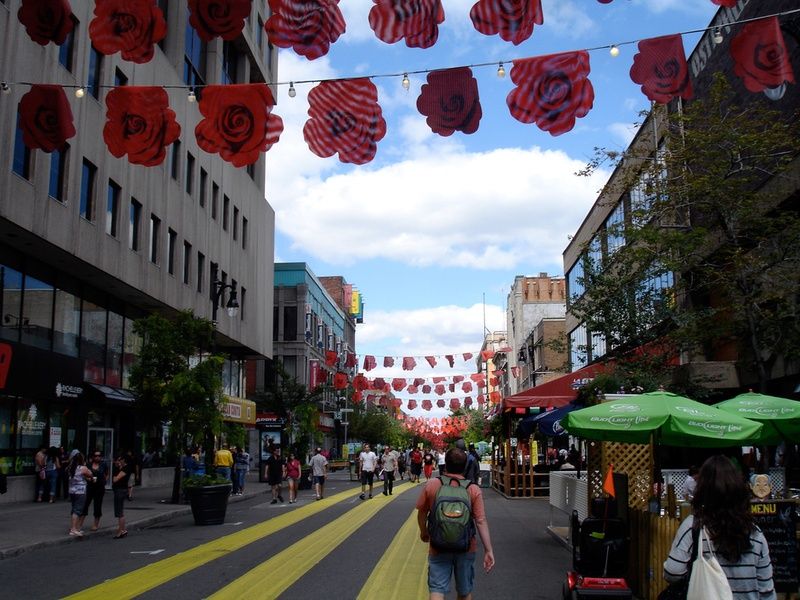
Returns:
(176,383)
(709,256)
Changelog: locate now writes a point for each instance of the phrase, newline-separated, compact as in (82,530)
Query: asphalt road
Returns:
(337,548)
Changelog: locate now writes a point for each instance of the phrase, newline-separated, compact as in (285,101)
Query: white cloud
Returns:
(623,133)
(567,18)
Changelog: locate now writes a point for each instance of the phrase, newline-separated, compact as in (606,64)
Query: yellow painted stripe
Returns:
(141,580)
(402,572)
(271,578)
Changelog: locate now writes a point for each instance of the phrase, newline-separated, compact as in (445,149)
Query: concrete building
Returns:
(90,242)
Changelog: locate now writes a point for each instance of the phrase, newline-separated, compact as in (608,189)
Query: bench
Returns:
(334,465)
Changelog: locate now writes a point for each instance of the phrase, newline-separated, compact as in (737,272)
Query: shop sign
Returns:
(238,410)
(55,436)
(29,424)
(68,391)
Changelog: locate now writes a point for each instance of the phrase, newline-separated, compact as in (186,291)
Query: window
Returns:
(112,208)
(615,229)
(176,160)
(235,223)
(114,349)
(214,200)
(58,167)
(21,164)
(155,234)
(578,355)
(226,204)
(95,69)
(203,186)
(135,225)
(172,237)
(289,323)
(189,183)
(230,62)
(242,298)
(187,261)
(67,50)
(66,325)
(11,301)
(213,269)
(244,232)
(575,283)
(201,265)
(37,313)
(120,79)
(194,57)
(93,341)
(88,173)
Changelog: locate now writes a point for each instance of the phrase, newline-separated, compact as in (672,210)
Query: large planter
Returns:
(209,503)
(305,479)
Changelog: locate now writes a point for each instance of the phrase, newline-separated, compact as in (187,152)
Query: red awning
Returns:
(555,393)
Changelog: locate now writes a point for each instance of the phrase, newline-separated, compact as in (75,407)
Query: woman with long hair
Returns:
(292,476)
(721,505)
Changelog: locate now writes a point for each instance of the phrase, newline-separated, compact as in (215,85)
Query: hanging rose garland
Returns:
(450,102)
(309,28)
(513,20)
(660,68)
(760,56)
(218,18)
(46,21)
(130,27)
(415,20)
(45,118)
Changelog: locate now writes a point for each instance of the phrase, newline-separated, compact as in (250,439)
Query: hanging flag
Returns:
(378,383)
(660,68)
(331,357)
(340,381)
(426,389)
(409,364)
(47,21)
(450,102)
(308,28)
(467,356)
(487,354)
(608,482)
(439,389)
(431,361)
(351,361)
(481,399)
(388,361)
(427,404)
(450,359)
(418,381)
(412,389)
(438,379)
(440,403)
(219,18)
(415,20)
(760,55)
(369,363)
(466,386)
(360,383)
(468,401)
(130,27)
(45,118)
(455,404)
(412,404)
(513,20)
(398,384)
(452,387)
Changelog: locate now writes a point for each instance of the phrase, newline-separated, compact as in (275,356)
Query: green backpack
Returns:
(450,523)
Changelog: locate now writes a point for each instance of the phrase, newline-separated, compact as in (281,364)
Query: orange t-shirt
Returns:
(428,497)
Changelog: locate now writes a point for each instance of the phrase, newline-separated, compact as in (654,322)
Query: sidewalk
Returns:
(26,526)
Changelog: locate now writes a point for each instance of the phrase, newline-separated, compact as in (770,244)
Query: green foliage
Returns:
(235,434)
(715,216)
(371,425)
(196,481)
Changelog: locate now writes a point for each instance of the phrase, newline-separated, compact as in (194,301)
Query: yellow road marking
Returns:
(402,570)
(273,577)
(137,582)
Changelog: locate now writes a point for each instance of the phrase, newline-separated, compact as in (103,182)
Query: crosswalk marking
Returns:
(141,580)
(274,576)
(402,572)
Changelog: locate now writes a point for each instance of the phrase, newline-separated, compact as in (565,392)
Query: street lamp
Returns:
(232,306)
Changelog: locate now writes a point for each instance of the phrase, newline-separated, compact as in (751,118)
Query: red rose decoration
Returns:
(725,3)
(140,123)
(450,101)
(660,68)
(309,27)
(131,27)
(412,404)
(416,20)
(46,20)
(345,118)
(238,122)
(512,19)
(45,118)
(218,18)
(552,91)
(440,403)
(760,55)
(427,404)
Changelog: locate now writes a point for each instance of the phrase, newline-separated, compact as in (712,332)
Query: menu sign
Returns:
(778,520)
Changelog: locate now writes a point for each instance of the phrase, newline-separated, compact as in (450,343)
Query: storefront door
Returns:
(102,438)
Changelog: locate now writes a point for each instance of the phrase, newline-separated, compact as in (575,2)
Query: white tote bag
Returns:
(708,580)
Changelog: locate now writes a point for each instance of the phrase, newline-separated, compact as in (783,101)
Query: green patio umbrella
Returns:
(672,420)
(780,416)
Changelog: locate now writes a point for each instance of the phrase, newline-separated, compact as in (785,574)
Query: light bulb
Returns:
(292,91)
(79,92)
(614,51)
(501,71)
(4,87)
(191,97)
(717,35)
(406,81)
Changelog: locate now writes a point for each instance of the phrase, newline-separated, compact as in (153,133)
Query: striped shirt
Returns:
(750,577)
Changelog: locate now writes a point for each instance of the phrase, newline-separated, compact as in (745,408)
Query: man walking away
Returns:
(319,466)
(443,564)
(367,461)
(473,472)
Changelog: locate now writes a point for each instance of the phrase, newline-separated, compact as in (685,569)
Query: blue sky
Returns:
(435,223)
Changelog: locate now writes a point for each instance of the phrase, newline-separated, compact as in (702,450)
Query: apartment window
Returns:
(203,186)
(230,62)
(615,229)
(235,223)
(120,79)
(66,51)
(578,351)
(58,167)
(242,303)
(213,269)
(135,226)
(88,174)
(244,232)
(189,183)
(95,69)
(575,281)
(155,235)
(172,237)
(187,261)
(176,160)
(226,204)
(194,58)
(214,200)
(201,265)
(112,207)
(21,164)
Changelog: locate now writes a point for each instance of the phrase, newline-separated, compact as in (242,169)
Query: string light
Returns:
(4,87)
(292,91)
(501,71)
(406,81)
(717,35)
(614,50)
(191,97)
(79,92)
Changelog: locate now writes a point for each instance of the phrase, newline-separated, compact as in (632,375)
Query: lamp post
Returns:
(232,306)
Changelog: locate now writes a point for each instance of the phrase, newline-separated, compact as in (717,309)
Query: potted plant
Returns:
(208,495)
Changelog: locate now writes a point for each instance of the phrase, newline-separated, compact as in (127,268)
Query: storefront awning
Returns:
(555,393)
(114,395)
